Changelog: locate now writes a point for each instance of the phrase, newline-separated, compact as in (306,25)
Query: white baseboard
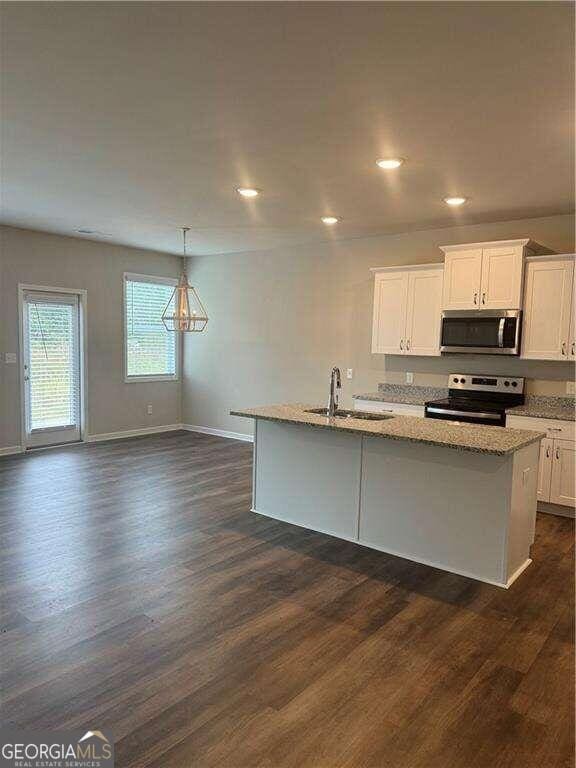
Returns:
(11,449)
(133,433)
(219,432)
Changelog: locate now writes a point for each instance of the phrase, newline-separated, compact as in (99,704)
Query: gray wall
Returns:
(50,260)
(280,319)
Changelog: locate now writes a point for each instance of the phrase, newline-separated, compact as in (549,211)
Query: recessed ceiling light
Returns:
(389,163)
(248,191)
(454,201)
(331,219)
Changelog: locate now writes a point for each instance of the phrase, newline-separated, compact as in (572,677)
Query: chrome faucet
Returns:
(335,383)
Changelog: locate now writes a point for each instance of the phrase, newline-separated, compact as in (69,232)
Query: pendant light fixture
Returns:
(184,312)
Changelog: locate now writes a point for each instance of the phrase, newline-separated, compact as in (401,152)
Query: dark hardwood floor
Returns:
(140,594)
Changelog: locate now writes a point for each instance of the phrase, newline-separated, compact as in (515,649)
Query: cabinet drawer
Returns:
(400,409)
(554,428)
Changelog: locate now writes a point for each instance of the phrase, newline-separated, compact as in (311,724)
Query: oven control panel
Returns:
(482,383)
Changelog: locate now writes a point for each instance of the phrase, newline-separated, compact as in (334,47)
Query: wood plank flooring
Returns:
(140,594)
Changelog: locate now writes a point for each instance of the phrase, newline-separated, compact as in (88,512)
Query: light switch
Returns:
(409,377)
(349,373)
(570,388)
(10,358)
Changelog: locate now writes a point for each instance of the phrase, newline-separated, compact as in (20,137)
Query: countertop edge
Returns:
(357,430)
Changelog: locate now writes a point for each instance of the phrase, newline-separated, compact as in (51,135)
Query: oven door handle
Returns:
(467,414)
(501,332)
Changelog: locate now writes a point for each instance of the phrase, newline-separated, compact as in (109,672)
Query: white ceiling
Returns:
(134,119)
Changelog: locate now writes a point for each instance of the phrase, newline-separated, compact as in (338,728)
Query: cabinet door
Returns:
(572,332)
(390,306)
(545,469)
(462,277)
(547,300)
(563,486)
(501,286)
(423,317)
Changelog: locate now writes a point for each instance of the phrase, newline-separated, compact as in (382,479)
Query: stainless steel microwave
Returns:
(486,332)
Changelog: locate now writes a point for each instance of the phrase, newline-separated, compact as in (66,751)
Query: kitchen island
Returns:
(454,496)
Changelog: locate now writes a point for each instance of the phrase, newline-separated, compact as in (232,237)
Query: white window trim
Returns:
(159,377)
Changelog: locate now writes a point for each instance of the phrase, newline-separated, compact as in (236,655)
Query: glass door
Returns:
(51,368)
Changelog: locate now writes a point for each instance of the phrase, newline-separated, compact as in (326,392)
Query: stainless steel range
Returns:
(477,399)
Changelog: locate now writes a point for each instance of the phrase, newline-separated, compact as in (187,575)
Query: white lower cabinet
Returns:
(545,469)
(562,484)
(556,468)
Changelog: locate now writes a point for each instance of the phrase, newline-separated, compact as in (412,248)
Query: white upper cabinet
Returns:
(572,332)
(501,286)
(462,278)
(422,335)
(548,329)
(485,275)
(407,306)
(390,307)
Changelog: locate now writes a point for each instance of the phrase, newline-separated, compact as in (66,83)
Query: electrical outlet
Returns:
(10,358)
(570,388)
(349,373)
(149,409)
(409,377)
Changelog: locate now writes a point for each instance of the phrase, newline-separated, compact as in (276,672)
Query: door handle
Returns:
(483,298)
(401,347)
(476,298)
(564,348)
(558,453)
(548,452)
(407,344)
(572,351)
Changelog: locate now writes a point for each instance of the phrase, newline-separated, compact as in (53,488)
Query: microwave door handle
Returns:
(501,332)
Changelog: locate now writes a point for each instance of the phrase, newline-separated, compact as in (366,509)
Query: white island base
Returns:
(468,513)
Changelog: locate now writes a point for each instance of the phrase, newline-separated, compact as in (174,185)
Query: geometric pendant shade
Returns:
(184,312)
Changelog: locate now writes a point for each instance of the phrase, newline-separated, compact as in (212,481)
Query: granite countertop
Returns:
(498,441)
(541,407)
(536,406)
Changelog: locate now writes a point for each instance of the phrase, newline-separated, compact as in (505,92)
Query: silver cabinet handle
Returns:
(476,298)
(407,344)
(548,452)
(483,298)
(563,347)
(558,453)
(401,347)
(572,352)
(554,429)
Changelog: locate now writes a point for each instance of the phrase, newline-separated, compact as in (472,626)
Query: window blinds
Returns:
(54,371)
(150,348)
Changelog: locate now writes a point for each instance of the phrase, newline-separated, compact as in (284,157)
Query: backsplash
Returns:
(543,377)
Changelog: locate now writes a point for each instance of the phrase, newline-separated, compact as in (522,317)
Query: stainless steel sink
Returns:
(342,414)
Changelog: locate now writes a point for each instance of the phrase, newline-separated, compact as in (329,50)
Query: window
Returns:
(151,352)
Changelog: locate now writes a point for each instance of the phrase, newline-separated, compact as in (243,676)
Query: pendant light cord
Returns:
(184,263)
